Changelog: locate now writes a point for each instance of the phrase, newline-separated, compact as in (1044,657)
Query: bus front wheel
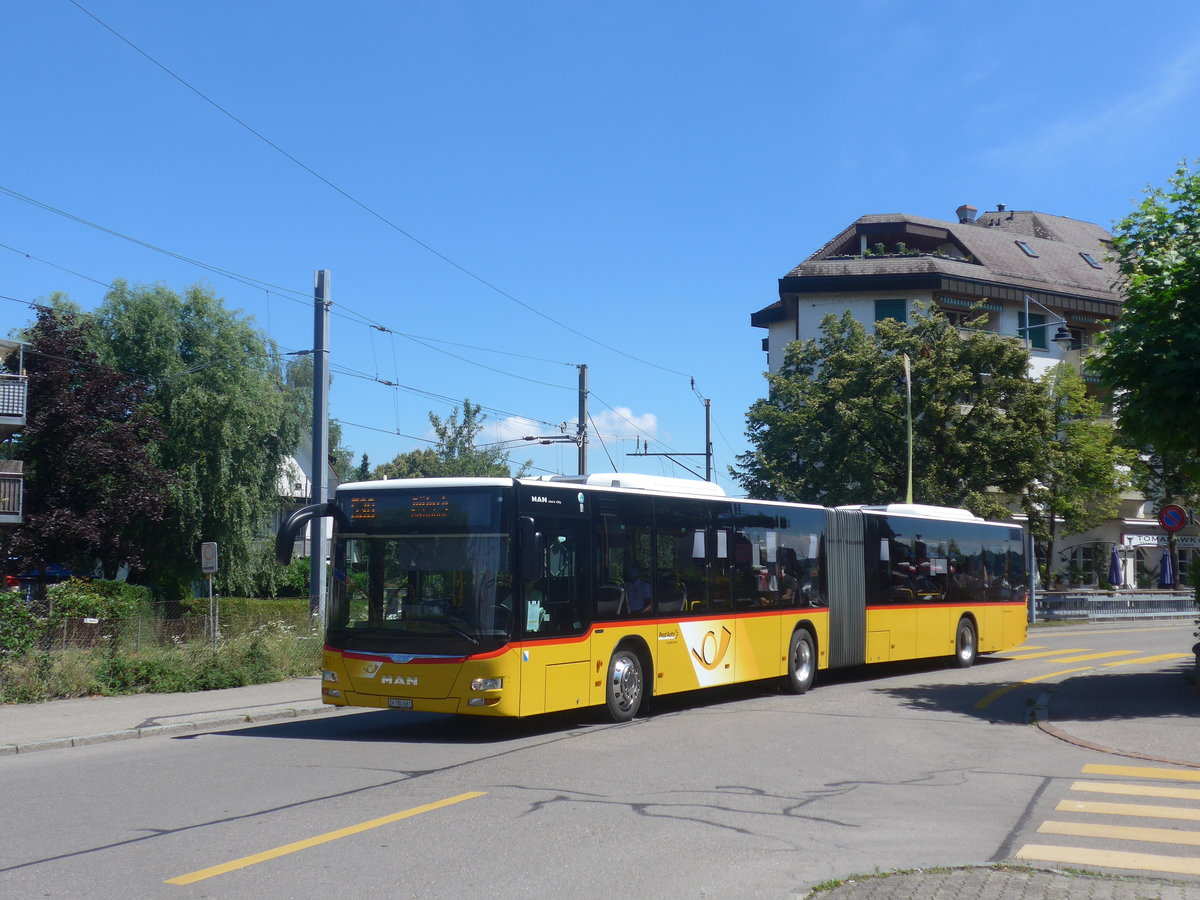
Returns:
(802,662)
(966,645)
(625,685)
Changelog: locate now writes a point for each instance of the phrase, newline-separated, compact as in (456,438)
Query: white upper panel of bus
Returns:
(921,510)
(659,484)
(408,484)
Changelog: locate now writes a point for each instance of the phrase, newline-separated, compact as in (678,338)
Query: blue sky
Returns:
(610,183)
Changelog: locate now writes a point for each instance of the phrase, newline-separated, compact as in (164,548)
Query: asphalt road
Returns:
(738,793)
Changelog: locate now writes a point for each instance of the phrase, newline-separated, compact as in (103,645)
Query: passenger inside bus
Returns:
(637,592)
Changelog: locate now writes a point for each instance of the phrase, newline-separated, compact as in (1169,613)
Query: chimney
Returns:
(966,214)
(999,207)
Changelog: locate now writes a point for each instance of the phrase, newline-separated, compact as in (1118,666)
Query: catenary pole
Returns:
(581,430)
(320,441)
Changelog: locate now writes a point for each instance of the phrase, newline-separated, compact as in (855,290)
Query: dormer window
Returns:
(1026,249)
(1091,260)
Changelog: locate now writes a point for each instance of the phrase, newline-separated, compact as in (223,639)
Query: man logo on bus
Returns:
(712,651)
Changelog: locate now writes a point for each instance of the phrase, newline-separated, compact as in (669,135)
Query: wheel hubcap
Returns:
(802,660)
(626,682)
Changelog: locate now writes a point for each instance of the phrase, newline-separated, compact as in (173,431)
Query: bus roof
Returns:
(921,510)
(657,483)
(399,484)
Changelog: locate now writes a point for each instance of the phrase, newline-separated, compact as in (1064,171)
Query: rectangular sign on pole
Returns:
(208,558)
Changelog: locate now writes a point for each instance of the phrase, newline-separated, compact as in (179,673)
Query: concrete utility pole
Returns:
(320,442)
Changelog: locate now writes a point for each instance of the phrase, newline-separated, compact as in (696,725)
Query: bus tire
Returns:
(626,685)
(966,644)
(802,662)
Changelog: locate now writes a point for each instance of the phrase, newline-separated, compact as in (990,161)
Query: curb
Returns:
(175,728)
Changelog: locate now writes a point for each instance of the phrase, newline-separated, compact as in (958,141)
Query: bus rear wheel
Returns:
(626,685)
(802,662)
(966,645)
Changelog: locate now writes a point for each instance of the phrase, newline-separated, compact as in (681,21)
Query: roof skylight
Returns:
(1090,260)
(1026,249)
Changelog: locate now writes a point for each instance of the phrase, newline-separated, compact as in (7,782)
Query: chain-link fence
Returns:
(146,632)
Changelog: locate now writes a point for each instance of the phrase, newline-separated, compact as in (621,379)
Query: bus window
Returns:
(624,557)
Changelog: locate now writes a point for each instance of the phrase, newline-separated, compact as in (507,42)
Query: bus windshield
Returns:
(424,572)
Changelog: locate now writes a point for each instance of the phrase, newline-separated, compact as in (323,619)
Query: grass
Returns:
(266,653)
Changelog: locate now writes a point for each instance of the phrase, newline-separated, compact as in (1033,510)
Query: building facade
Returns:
(1046,280)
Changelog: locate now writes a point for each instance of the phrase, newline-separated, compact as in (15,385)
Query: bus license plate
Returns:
(395,703)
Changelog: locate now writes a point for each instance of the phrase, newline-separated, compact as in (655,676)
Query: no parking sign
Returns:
(1172,518)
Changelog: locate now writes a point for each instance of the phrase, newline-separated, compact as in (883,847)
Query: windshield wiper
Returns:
(466,634)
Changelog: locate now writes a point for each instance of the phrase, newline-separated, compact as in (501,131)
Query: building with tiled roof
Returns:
(880,264)
(1013,262)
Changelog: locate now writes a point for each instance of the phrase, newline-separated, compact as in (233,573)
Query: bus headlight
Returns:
(487,684)
(331,692)
(327,675)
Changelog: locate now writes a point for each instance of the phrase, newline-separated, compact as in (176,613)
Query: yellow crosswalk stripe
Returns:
(1087,657)
(1111,859)
(1162,657)
(1018,654)
(1136,790)
(1143,772)
(1129,809)
(1122,832)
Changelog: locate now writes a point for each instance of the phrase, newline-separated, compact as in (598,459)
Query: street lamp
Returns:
(1062,337)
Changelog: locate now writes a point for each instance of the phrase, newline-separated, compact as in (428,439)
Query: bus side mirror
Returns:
(532,549)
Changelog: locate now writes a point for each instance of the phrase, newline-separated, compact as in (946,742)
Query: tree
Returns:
(456,453)
(832,429)
(1149,356)
(1084,469)
(217,387)
(93,494)
(362,472)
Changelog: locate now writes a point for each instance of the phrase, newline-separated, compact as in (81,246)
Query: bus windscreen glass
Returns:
(422,572)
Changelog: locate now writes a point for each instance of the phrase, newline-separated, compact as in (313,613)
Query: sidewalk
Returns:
(30,727)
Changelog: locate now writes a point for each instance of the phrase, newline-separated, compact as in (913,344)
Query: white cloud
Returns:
(1124,119)
(621,422)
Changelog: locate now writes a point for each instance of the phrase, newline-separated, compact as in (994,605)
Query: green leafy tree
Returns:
(217,388)
(1084,469)
(93,493)
(362,472)
(833,428)
(456,453)
(1149,356)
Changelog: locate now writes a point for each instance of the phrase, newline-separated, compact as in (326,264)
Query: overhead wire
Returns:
(362,205)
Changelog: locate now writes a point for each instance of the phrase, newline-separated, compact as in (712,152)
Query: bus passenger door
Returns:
(553,619)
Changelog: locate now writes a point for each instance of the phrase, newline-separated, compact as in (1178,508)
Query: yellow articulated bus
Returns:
(515,597)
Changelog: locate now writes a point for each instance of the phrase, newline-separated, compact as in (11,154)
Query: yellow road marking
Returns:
(1129,809)
(1045,653)
(1123,833)
(1090,656)
(1136,790)
(1162,657)
(1143,772)
(1000,692)
(201,874)
(1111,859)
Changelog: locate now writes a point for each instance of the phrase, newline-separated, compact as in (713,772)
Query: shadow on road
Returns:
(1086,697)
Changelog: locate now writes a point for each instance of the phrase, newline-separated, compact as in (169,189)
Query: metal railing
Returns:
(11,496)
(13,391)
(1097,606)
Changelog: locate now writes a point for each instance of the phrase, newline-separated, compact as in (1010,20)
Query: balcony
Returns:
(12,488)
(13,392)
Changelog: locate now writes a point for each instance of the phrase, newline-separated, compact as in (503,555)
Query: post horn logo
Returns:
(712,650)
